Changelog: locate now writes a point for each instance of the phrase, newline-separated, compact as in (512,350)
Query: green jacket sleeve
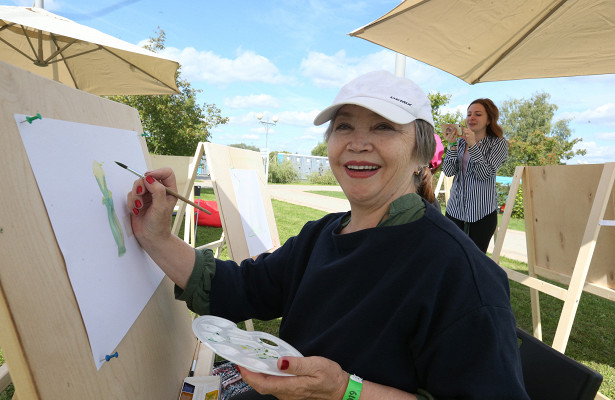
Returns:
(198,288)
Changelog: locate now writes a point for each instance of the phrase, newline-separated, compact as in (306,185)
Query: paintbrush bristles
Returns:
(130,169)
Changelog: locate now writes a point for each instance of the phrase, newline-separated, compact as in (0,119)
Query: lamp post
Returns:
(267,124)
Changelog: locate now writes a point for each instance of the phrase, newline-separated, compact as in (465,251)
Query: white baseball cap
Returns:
(397,99)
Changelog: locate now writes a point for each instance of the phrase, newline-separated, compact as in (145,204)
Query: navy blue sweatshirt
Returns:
(410,306)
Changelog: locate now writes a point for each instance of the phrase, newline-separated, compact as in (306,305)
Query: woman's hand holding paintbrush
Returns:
(167,188)
(152,210)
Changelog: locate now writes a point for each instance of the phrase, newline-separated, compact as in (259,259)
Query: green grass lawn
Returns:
(592,340)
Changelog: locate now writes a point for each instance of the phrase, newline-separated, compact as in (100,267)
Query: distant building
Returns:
(306,165)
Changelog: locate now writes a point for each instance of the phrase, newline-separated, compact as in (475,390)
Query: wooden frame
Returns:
(565,209)
(42,334)
(220,160)
(447,182)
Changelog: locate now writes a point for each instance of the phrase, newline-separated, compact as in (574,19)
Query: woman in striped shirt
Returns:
(473,158)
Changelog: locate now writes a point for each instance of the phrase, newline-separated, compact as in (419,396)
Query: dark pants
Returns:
(253,395)
(480,231)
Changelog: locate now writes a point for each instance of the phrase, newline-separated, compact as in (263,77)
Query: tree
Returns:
(245,147)
(533,137)
(320,149)
(173,124)
(438,100)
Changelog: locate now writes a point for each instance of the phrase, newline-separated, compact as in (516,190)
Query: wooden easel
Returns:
(569,218)
(447,182)
(42,334)
(221,159)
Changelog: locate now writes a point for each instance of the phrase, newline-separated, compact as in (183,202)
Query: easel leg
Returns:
(536,322)
(510,204)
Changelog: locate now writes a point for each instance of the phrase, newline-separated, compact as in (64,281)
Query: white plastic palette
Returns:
(256,351)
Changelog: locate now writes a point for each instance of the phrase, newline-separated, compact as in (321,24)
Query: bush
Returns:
(282,173)
(322,178)
(502,192)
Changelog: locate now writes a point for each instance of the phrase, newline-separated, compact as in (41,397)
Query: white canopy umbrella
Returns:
(60,49)
(486,40)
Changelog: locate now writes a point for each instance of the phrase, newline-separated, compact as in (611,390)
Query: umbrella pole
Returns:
(54,66)
(400,64)
(39,3)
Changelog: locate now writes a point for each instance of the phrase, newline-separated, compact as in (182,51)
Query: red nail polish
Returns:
(285,364)
(138,203)
(149,179)
(139,189)
(135,211)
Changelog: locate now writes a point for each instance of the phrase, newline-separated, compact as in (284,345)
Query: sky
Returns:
(288,59)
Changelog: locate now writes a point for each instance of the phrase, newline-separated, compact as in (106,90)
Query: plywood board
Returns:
(562,198)
(42,335)
(565,208)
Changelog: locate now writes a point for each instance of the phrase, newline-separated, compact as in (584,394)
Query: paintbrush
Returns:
(169,191)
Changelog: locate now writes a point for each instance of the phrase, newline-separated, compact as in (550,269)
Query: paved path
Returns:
(298,194)
(514,242)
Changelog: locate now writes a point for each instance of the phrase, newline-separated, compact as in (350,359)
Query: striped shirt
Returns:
(473,194)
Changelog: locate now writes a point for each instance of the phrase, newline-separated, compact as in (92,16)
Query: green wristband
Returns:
(353,391)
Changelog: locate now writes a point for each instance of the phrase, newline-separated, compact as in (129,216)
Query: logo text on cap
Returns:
(401,101)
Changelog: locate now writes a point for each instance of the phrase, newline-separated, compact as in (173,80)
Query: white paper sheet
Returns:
(252,210)
(111,289)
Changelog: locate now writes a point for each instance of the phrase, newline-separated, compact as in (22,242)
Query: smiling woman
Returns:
(373,156)
(367,292)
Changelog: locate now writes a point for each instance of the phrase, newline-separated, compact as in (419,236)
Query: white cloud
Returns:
(250,119)
(318,131)
(327,71)
(462,108)
(252,101)
(53,6)
(311,137)
(597,153)
(333,71)
(50,5)
(603,114)
(606,136)
(293,118)
(298,118)
(212,68)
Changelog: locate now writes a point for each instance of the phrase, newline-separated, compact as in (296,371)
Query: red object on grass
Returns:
(204,219)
